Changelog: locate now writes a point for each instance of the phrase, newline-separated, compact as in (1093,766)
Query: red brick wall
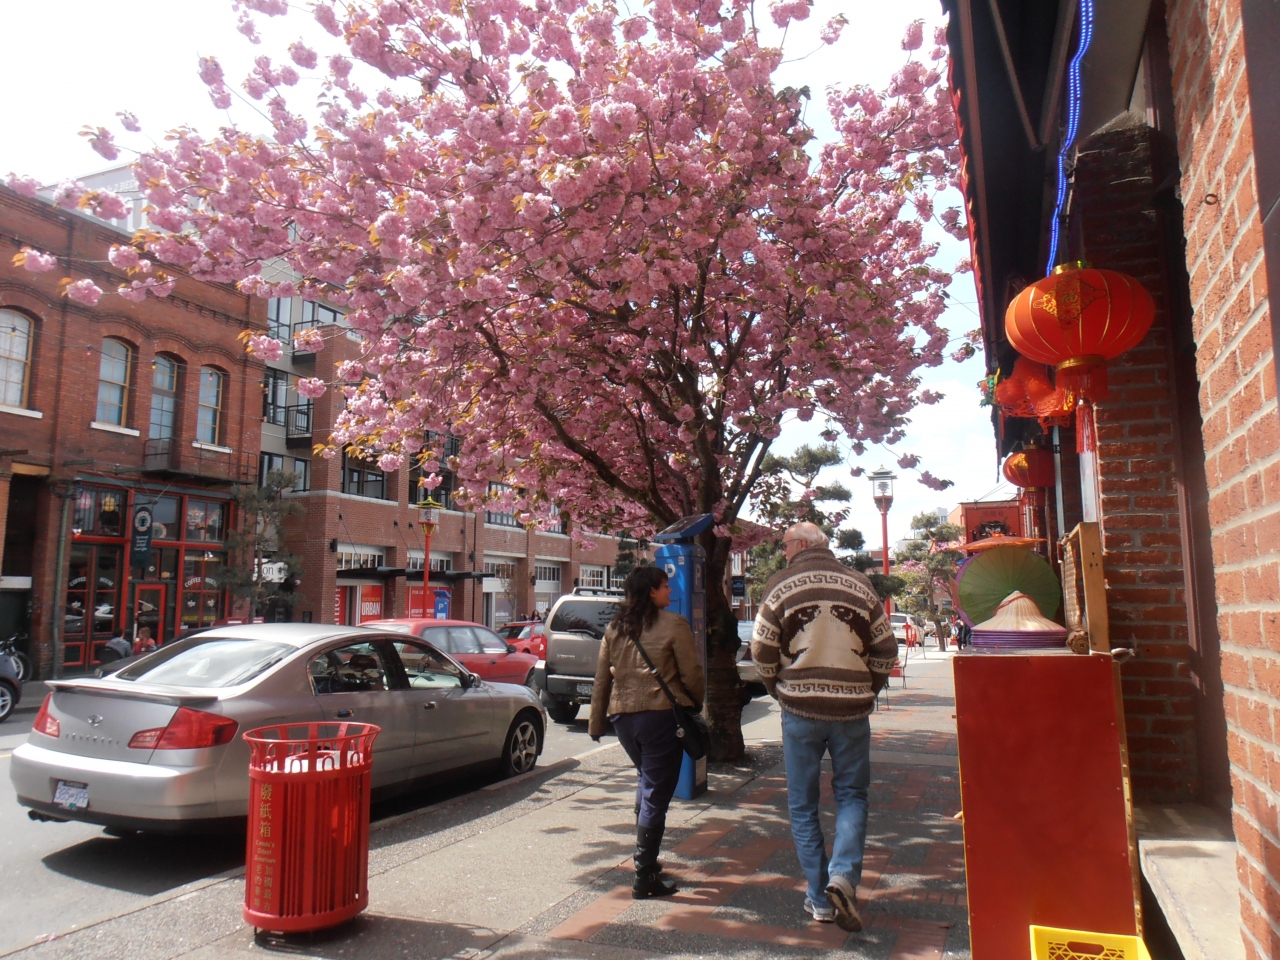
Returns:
(199,323)
(1235,361)
(1138,475)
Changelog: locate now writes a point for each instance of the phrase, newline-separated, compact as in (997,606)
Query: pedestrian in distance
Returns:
(118,646)
(628,695)
(824,648)
(143,642)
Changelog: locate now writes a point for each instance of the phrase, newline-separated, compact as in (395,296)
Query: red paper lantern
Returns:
(1077,319)
(1033,470)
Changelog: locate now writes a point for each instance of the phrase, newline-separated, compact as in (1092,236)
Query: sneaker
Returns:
(843,897)
(821,914)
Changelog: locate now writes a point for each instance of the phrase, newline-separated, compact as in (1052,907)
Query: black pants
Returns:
(650,740)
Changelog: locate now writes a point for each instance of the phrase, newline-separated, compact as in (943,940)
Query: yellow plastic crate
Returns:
(1054,943)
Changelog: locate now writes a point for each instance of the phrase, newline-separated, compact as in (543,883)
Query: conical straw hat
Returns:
(1018,612)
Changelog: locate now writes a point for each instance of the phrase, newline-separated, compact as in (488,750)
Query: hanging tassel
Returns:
(1086,428)
(1085,376)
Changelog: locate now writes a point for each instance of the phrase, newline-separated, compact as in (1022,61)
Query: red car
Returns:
(473,645)
(527,636)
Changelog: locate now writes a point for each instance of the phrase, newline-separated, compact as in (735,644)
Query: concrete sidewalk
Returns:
(540,867)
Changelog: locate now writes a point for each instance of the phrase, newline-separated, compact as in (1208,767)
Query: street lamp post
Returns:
(429,517)
(882,492)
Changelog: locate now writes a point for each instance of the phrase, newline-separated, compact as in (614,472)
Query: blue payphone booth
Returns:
(685,564)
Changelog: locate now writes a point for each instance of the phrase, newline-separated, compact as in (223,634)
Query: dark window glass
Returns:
(427,670)
(463,640)
(583,616)
(355,668)
(490,642)
(209,662)
(362,479)
(275,397)
(278,326)
(164,519)
(438,637)
(164,398)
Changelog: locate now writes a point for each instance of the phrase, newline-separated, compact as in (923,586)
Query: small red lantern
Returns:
(1031,469)
(1077,319)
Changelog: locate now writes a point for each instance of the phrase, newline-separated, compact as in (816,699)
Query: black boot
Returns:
(649,882)
(656,863)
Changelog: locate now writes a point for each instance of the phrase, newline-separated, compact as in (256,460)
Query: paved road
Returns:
(60,875)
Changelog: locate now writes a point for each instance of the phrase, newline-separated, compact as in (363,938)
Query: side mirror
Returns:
(472,680)
(511,648)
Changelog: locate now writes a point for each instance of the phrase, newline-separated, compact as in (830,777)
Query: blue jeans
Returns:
(804,742)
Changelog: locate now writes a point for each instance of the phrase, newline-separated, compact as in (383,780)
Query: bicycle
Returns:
(9,648)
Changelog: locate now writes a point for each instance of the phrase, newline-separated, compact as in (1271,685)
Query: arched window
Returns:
(209,421)
(113,383)
(15,358)
(165,390)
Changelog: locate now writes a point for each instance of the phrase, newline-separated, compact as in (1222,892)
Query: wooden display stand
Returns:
(1044,783)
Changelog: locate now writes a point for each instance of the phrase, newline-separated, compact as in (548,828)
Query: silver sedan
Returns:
(158,745)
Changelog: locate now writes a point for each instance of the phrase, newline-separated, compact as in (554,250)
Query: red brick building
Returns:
(103,410)
(1173,178)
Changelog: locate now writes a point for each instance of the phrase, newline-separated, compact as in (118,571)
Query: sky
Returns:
(106,56)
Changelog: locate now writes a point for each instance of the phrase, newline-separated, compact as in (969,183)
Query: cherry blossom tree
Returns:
(602,248)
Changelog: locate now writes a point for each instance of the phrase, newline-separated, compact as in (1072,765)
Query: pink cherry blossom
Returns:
(308,341)
(614,284)
(311,387)
(914,36)
(303,55)
(84,291)
(266,348)
(34,260)
(23,185)
(129,121)
(102,141)
(908,461)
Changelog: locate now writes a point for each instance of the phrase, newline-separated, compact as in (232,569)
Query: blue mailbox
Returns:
(685,564)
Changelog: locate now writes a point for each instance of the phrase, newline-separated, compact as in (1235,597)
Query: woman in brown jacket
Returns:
(627,694)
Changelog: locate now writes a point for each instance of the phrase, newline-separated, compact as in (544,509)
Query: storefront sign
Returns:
(370,603)
(140,545)
(340,606)
(739,586)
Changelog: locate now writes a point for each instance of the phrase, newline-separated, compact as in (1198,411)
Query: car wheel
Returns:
(8,700)
(562,712)
(520,755)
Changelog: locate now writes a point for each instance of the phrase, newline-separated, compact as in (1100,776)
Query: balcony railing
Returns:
(297,426)
(176,457)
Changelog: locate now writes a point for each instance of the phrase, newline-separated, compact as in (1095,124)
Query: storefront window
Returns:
(164,519)
(99,512)
(205,520)
(202,595)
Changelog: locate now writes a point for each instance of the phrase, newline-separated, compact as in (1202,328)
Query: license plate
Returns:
(71,795)
(584,689)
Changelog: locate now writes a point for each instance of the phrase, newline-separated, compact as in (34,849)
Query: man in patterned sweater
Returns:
(824,648)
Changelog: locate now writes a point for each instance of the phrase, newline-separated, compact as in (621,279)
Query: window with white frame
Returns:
(505,569)
(546,573)
(590,575)
(355,556)
(440,563)
(15,357)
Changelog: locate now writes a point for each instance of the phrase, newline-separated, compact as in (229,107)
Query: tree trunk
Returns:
(724,689)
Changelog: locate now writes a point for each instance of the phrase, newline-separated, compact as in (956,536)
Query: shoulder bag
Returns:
(691,727)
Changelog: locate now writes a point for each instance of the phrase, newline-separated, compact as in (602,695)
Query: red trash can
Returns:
(307,856)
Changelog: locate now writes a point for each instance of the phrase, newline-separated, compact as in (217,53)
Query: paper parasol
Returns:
(990,576)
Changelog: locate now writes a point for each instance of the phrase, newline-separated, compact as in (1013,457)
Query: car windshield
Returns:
(583,616)
(212,662)
(898,618)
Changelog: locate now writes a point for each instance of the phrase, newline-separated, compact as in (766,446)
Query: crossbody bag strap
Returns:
(656,675)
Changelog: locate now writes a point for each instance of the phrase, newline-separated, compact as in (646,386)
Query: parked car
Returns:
(158,746)
(10,685)
(899,623)
(527,636)
(747,672)
(473,645)
(574,631)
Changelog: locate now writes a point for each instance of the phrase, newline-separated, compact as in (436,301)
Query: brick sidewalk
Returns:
(741,881)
